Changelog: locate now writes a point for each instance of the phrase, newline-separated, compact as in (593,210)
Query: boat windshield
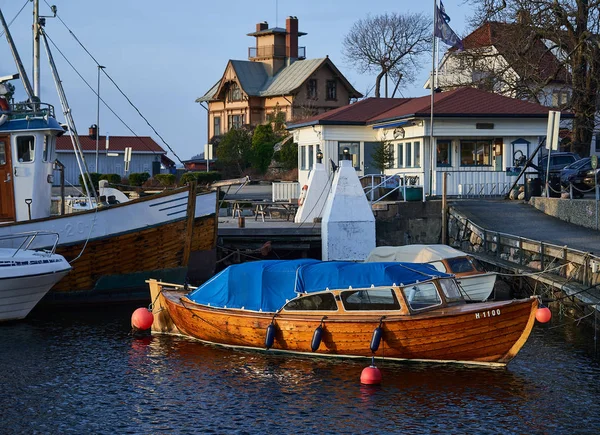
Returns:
(450,289)
(375,299)
(420,296)
(460,265)
(316,302)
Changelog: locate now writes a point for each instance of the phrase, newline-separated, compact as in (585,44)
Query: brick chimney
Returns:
(262,26)
(93,131)
(291,37)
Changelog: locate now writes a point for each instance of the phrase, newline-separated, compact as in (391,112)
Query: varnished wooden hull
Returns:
(481,333)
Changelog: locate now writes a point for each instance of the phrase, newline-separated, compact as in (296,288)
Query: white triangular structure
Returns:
(312,200)
(348,226)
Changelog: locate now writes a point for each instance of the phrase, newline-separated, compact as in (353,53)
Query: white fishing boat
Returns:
(112,247)
(26,275)
(477,283)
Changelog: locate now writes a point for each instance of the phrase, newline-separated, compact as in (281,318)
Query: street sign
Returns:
(594,160)
(552,132)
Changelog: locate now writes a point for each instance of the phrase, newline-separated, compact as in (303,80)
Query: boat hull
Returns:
(481,333)
(113,250)
(18,295)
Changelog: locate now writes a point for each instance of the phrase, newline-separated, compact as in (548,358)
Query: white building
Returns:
(478,137)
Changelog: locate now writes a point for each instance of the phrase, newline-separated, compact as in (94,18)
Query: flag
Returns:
(443,12)
(443,30)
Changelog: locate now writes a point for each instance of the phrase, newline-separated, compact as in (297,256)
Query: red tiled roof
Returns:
(138,144)
(462,102)
(505,37)
(465,102)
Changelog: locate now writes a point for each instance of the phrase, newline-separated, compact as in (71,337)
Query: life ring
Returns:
(302,195)
(4,110)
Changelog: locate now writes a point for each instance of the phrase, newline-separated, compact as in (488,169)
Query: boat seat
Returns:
(112,199)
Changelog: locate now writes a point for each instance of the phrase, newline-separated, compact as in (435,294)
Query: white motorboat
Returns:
(26,275)
(477,283)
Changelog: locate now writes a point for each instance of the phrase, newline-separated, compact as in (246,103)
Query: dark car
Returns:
(581,175)
(558,161)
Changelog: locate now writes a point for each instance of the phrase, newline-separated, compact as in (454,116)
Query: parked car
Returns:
(558,161)
(581,175)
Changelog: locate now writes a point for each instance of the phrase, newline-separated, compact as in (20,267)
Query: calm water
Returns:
(84,373)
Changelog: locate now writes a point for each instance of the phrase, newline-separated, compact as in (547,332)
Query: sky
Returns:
(164,55)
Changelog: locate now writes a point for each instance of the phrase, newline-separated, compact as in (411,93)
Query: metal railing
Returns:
(273,51)
(22,110)
(399,182)
(28,238)
(517,250)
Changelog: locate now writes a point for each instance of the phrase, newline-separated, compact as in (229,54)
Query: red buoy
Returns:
(370,375)
(142,319)
(543,315)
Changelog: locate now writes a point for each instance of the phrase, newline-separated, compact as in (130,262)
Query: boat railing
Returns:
(36,109)
(28,239)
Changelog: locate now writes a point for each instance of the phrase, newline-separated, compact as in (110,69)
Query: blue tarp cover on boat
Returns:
(267,285)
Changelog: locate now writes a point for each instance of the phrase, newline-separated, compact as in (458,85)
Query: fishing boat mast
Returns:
(36,48)
(15,53)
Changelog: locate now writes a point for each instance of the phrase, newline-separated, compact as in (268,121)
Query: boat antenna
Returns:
(83,169)
(15,53)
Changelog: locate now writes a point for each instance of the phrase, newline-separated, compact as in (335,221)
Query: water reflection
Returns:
(82,373)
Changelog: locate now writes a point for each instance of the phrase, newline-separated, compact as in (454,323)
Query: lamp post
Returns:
(98,118)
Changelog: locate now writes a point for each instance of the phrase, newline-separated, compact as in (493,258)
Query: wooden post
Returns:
(444,210)
(189,226)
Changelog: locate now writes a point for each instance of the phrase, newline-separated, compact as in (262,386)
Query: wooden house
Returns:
(478,137)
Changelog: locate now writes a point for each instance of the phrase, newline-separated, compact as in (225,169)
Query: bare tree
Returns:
(389,44)
(570,31)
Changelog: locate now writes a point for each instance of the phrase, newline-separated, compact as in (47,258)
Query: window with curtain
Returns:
(310,156)
(303,157)
(477,152)
(444,153)
(417,153)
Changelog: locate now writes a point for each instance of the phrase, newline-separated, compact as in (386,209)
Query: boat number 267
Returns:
(485,314)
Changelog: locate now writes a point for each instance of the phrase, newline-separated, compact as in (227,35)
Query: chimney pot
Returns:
(262,26)
(93,131)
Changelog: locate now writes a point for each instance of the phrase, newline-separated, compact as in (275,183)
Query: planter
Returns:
(413,193)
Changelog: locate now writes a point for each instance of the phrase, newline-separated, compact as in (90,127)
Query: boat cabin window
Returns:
(48,148)
(460,265)
(25,148)
(2,153)
(422,295)
(476,264)
(317,302)
(370,300)
(450,289)
(439,266)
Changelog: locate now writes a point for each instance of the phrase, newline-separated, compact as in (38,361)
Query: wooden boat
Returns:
(112,248)
(398,311)
(477,283)
(26,275)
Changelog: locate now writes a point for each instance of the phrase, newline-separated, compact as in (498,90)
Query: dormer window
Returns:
(311,89)
(331,90)
(235,93)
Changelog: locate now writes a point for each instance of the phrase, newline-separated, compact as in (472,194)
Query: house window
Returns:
(417,152)
(311,89)
(444,148)
(354,148)
(25,148)
(235,93)
(399,155)
(331,90)
(236,121)
(217,126)
(310,156)
(476,152)
(560,98)
(408,162)
(303,158)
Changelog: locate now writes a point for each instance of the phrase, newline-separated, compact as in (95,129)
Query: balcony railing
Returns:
(273,51)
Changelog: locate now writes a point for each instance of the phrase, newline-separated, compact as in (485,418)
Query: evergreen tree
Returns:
(383,156)
(263,141)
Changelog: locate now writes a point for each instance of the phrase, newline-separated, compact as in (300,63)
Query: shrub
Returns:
(200,177)
(139,178)
(165,179)
(111,178)
(93,178)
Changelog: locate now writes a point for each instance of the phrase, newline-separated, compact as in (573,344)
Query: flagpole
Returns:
(432,86)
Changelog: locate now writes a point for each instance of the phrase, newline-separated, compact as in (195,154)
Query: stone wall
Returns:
(579,212)
(405,223)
